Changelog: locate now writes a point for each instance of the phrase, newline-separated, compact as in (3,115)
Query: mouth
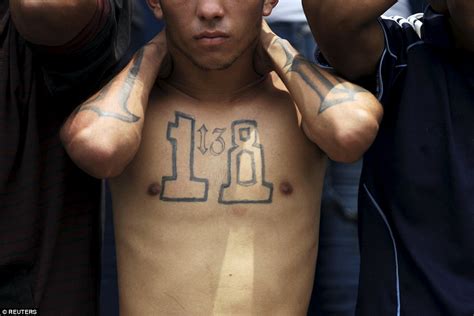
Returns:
(211,38)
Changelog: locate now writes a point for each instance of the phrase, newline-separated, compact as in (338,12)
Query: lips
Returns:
(211,34)
(211,38)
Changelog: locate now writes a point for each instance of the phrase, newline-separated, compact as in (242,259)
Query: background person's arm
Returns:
(348,33)
(104,133)
(338,116)
(52,22)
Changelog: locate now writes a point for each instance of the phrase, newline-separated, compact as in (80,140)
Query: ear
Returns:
(155,7)
(268,6)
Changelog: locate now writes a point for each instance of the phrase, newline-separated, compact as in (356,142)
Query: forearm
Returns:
(104,133)
(52,22)
(340,117)
(348,33)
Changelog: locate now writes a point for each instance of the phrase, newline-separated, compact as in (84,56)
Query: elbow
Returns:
(351,141)
(51,23)
(336,28)
(351,146)
(35,8)
(346,140)
(97,154)
(328,18)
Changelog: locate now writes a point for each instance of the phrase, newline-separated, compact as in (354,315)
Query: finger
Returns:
(266,27)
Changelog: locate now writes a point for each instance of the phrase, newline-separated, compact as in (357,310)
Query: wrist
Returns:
(267,39)
(281,54)
(153,60)
(154,53)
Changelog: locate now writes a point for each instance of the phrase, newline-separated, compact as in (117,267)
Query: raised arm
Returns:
(348,33)
(103,134)
(340,117)
(52,22)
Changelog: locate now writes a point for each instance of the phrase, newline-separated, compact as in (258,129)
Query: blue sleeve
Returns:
(399,35)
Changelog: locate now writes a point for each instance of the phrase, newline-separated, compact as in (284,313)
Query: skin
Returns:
(246,251)
(104,133)
(51,22)
(338,116)
(461,14)
(352,39)
(217,210)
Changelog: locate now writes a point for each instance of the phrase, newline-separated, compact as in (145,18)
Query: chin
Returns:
(214,65)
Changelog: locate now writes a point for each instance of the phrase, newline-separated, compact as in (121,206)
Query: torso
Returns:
(234,229)
(417,182)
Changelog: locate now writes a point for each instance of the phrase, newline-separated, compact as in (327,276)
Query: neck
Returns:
(214,85)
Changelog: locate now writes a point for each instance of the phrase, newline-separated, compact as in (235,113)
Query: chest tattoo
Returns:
(245,181)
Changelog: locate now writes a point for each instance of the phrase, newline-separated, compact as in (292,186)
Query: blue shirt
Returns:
(416,197)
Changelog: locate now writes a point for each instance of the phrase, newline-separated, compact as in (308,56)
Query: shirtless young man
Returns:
(216,200)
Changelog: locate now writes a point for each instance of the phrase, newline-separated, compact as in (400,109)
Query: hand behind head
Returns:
(166,64)
(262,62)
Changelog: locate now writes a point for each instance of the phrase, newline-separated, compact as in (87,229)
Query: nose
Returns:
(210,10)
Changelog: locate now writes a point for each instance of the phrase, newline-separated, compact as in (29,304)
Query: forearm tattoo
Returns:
(331,90)
(123,95)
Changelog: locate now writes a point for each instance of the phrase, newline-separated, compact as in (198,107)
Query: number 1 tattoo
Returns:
(183,186)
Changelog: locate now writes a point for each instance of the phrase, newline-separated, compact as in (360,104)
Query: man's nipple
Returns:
(286,188)
(154,189)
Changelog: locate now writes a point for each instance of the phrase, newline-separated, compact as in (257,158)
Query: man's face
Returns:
(213,34)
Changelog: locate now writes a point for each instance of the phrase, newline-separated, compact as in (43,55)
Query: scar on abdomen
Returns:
(154,189)
(286,188)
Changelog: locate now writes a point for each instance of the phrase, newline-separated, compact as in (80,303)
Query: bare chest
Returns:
(248,155)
